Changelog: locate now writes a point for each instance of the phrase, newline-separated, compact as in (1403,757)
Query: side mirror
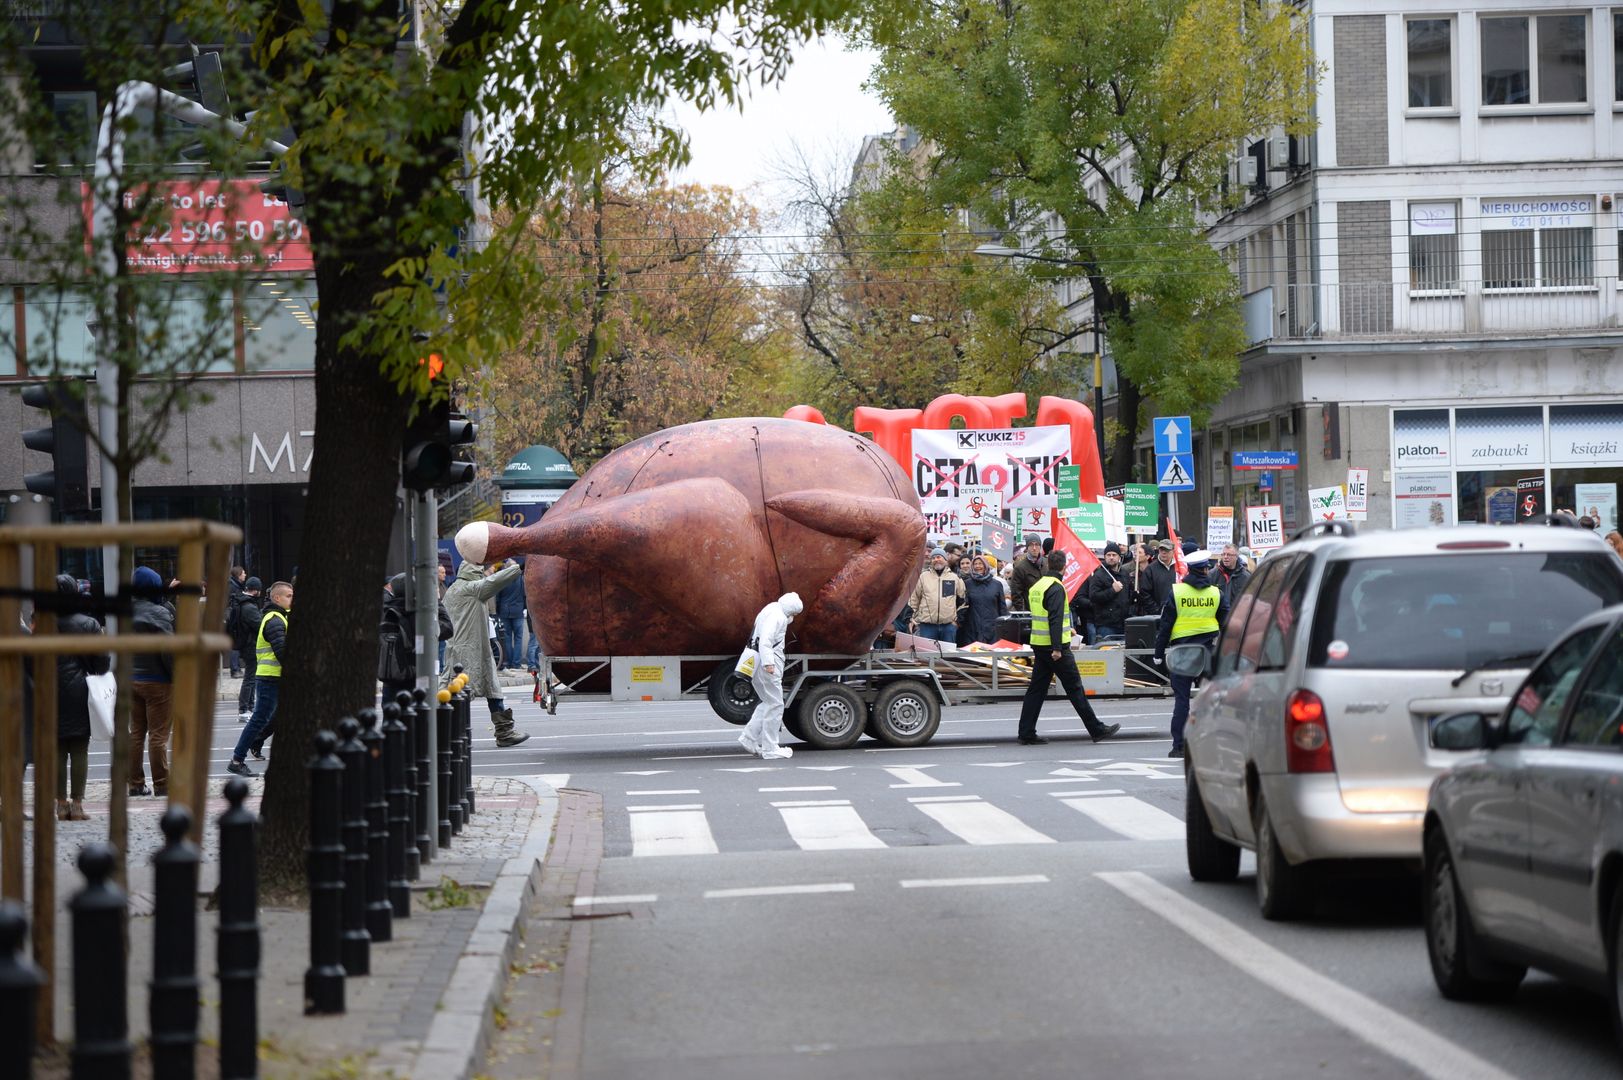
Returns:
(1464,731)
(1189,661)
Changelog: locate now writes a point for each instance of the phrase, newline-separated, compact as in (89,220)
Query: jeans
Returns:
(947,632)
(259,727)
(511,634)
(236,663)
(532,656)
(1182,685)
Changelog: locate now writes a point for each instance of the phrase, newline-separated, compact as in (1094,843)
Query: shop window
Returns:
(1534,60)
(1431,63)
(279,325)
(1434,247)
(1538,243)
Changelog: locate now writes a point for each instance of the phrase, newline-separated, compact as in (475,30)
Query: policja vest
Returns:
(1040,634)
(1197,610)
(266,664)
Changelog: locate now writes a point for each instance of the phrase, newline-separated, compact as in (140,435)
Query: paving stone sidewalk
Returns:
(391,1013)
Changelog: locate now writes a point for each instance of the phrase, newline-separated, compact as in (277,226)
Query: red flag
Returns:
(1177,552)
(1079,561)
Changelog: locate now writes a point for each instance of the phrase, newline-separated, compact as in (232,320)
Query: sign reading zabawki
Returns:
(217,225)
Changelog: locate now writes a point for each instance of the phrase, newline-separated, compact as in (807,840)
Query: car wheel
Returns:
(1210,857)
(831,716)
(1459,963)
(731,696)
(906,713)
(1284,892)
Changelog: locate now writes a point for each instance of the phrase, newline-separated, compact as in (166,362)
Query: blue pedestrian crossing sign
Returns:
(1173,435)
(1175,472)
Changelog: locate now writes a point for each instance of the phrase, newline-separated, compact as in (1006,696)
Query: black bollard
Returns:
(20,980)
(324,979)
(101,1045)
(467,762)
(408,718)
(399,809)
(422,806)
(237,943)
(357,949)
(459,703)
(379,921)
(443,792)
(173,1005)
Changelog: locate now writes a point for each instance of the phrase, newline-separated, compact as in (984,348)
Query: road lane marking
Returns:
(665,791)
(671,832)
(633,898)
(1087,793)
(914,777)
(666,806)
(1066,780)
(828,828)
(943,798)
(1387,1030)
(1130,817)
(916,749)
(813,802)
(803,787)
(702,757)
(646,772)
(981,823)
(949,882)
(780,890)
(822,768)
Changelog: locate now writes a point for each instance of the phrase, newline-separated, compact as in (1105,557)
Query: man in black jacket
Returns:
(1028,567)
(243,624)
(1108,594)
(395,612)
(150,692)
(1163,574)
(1232,576)
(1051,656)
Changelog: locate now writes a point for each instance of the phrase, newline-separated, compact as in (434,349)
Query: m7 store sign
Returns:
(215,225)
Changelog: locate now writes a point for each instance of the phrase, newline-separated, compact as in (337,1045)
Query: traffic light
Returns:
(431,453)
(68,481)
(461,434)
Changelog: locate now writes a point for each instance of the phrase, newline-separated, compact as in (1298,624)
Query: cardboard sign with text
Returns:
(1328,503)
(1357,494)
(981,503)
(997,539)
(1219,528)
(1087,522)
(1265,526)
(1141,504)
(1529,497)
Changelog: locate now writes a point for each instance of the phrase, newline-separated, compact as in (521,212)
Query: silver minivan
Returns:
(1312,742)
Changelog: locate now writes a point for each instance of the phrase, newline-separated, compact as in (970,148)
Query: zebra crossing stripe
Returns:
(980,822)
(672,832)
(827,827)
(1132,818)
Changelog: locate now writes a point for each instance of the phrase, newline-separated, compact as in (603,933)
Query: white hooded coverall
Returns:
(760,736)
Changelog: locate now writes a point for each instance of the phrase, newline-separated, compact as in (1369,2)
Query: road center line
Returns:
(1084,792)
(951,882)
(780,890)
(814,802)
(806,787)
(668,806)
(943,798)
(917,749)
(666,791)
(1387,1030)
(634,898)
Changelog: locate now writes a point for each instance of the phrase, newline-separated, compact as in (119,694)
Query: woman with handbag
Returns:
(73,702)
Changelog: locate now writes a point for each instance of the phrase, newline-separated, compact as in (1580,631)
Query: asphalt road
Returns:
(973,908)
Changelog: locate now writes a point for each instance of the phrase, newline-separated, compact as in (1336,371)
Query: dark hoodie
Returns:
(1199,579)
(73,692)
(395,600)
(151,615)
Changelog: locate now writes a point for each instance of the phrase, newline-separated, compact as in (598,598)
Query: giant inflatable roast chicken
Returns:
(671,544)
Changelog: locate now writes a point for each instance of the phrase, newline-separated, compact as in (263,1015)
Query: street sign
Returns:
(1254,460)
(1141,507)
(1265,482)
(1172,435)
(1176,472)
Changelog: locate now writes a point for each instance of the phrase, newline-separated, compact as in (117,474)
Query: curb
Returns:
(457,1040)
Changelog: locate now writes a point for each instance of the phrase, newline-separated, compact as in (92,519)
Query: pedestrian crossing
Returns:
(843,824)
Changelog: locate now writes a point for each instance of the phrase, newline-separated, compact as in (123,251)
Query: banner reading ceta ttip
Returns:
(1020,464)
(216,225)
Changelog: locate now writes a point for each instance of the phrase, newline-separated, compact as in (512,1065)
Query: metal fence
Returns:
(1379,309)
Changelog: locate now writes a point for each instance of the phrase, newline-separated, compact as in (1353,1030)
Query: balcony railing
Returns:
(1376,310)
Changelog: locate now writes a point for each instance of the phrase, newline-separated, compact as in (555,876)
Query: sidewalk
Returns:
(426,1008)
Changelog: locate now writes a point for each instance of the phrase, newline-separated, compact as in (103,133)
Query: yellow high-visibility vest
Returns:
(1197,610)
(266,663)
(1040,634)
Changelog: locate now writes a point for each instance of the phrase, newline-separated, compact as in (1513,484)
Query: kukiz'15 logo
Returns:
(968,440)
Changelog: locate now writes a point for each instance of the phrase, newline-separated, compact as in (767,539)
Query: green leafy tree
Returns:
(1118,118)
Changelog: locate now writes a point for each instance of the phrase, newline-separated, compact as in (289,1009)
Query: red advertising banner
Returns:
(218,225)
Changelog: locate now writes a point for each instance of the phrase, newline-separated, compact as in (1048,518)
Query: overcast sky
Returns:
(820,103)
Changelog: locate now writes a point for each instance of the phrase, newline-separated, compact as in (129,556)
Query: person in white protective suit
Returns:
(760,736)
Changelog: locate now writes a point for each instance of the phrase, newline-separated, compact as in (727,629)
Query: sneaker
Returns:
(1035,740)
(237,768)
(1176,752)
(244,717)
(140,792)
(257,753)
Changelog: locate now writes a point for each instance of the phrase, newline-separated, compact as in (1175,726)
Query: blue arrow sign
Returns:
(1172,435)
(1175,472)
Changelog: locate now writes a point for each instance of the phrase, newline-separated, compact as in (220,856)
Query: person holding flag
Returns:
(1051,647)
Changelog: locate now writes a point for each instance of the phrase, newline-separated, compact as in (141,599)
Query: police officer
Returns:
(1051,656)
(1193,614)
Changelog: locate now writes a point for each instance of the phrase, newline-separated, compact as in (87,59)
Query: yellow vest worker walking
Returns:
(1193,614)
(1051,656)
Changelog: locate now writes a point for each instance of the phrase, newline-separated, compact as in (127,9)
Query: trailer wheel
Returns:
(831,716)
(906,713)
(731,695)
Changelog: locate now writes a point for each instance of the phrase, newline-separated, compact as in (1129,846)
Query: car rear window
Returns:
(1455,611)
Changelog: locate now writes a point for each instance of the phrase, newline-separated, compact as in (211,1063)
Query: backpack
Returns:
(397,654)
(233,617)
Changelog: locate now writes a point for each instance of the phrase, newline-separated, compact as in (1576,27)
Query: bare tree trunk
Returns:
(1128,400)
(359,418)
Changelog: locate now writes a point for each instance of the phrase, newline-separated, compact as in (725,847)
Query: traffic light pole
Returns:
(424,596)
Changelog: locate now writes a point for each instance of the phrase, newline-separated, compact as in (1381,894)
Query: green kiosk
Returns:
(536,478)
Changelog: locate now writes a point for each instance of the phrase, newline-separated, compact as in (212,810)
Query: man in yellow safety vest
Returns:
(1192,615)
(269,648)
(1051,656)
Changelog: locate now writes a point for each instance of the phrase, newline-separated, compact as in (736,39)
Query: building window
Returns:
(279,325)
(1529,60)
(1538,243)
(1431,63)
(1617,56)
(1434,247)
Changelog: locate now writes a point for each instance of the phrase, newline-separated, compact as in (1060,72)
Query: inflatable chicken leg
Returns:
(671,544)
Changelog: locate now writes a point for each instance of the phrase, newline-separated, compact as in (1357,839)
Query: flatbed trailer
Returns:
(831,701)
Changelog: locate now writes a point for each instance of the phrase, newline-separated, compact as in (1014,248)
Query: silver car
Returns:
(1524,846)
(1311,744)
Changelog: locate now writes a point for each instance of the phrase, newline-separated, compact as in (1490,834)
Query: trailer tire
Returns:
(731,696)
(906,713)
(831,716)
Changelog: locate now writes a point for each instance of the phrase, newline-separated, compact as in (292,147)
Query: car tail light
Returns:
(1307,737)
(1472,545)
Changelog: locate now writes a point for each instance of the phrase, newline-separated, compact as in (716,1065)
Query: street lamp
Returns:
(1003,251)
